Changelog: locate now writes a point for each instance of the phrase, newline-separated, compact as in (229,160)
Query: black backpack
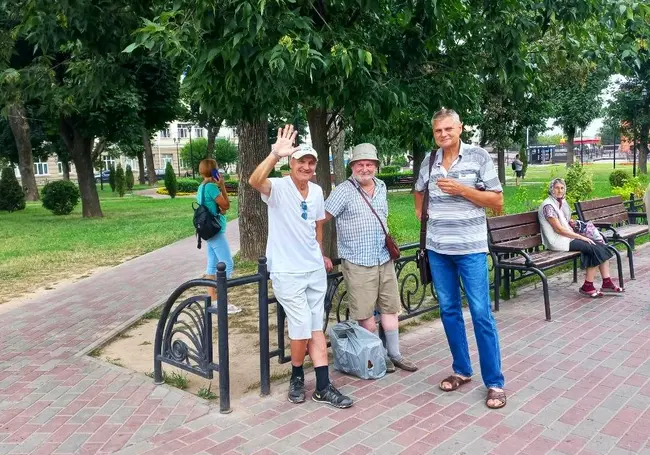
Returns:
(513,166)
(206,224)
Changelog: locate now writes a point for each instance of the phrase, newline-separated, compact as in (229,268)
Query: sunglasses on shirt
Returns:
(303,206)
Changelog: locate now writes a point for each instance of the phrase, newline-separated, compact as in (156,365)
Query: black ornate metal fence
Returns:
(184,336)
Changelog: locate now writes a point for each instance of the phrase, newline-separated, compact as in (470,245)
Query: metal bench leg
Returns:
(630,257)
(619,264)
(547,300)
(575,269)
(506,283)
(497,285)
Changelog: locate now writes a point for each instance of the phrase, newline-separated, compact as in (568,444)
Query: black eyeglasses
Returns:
(303,206)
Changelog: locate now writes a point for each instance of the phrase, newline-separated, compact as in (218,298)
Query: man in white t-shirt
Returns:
(296,211)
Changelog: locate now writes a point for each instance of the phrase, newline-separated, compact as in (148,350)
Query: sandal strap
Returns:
(454,381)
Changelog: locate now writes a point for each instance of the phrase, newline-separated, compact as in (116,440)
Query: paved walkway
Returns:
(580,384)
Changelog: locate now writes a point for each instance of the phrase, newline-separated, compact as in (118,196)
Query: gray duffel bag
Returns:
(357,351)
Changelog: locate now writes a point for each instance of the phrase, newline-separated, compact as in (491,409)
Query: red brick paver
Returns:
(579,384)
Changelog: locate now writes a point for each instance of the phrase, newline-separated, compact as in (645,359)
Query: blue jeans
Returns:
(218,250)
(446,271)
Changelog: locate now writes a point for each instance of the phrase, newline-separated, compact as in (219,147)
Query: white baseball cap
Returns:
(304,150)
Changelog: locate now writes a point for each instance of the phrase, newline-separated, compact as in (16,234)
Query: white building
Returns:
(166,146)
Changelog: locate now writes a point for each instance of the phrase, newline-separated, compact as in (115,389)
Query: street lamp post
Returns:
(582,148)
(178,156)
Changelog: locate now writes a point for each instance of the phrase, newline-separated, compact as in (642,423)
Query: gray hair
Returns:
(445,113)
(552,184)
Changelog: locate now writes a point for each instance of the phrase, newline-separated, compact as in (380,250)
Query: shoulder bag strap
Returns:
(364,197)
(425,207)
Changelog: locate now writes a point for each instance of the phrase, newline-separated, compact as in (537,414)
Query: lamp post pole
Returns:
(178,156)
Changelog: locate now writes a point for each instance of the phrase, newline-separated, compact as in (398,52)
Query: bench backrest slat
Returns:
(599,203)
(521,230)
(525,243)
(616,212)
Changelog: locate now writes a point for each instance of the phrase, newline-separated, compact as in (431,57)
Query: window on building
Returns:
(198,132)
(59,165)
(41,168)
(108,161)
(167,158)
(165,133)
(184,130)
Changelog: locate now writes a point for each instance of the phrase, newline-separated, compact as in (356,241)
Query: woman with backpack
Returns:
(212,194)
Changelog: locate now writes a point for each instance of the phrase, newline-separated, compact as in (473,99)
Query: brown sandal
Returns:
(454,381)
(495,395)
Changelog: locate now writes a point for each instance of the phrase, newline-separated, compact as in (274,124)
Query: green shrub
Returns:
(390,169)
(285,167)
(120,181)
(393,179)
(633,185)
(232,186)
(618,178)
(12,196)
(60,197)
(400,161)
(579,184)
(348,171)
(170,180)
(187,185)
(130,181)
(111,177)
(275,173)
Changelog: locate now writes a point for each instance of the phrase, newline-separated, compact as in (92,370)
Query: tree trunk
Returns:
(419,152)
(20,129)
(81,150)
(141,178)
(148,152)
(643,148)
(66,170)
(253,215)
(213,130)
(570,137)
(317,119)
(337,140)
(501,165)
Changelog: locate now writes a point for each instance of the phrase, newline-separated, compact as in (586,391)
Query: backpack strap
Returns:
(425,207)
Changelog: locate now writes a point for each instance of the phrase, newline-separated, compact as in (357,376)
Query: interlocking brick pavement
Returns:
(577,385)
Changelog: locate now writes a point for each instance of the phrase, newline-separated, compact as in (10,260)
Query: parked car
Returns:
(102,177)
(160,174)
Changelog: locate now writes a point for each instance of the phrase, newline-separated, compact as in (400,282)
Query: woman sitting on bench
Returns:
(558,235)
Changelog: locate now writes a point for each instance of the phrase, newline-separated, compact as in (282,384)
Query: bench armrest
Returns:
(638,214)
(511,250)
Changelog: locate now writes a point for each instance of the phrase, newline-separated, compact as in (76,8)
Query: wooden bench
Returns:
(616,223)
(515,244)
(405,180)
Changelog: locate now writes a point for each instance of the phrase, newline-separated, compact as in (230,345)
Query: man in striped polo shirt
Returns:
(462,183)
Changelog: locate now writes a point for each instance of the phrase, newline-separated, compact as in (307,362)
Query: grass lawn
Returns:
(38,248)
(406,229)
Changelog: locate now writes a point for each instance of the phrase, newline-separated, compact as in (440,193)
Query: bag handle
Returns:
(424,216)
(365,198)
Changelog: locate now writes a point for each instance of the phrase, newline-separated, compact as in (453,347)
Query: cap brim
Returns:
(301,154)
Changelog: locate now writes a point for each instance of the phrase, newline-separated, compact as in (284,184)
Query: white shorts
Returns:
(302,296)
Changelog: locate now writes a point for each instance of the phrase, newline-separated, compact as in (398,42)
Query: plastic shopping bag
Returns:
(357,351)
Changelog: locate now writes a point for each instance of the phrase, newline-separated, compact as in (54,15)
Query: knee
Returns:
(369,324)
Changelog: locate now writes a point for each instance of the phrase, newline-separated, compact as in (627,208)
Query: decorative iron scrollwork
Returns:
(187,341)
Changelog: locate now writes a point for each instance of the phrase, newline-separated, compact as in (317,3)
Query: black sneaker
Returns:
(297,390)
(332,397)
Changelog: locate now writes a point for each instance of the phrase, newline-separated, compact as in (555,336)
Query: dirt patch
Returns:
(133,348)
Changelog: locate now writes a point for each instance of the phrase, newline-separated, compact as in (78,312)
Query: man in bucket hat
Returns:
(296,211)
(368,270)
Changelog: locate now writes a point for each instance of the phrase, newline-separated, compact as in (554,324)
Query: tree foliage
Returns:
(60,197)
(120,181)
(170,180)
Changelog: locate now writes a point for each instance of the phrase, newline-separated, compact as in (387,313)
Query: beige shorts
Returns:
(369,287)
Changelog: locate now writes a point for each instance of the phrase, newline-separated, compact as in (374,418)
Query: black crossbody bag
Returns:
(422,256)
